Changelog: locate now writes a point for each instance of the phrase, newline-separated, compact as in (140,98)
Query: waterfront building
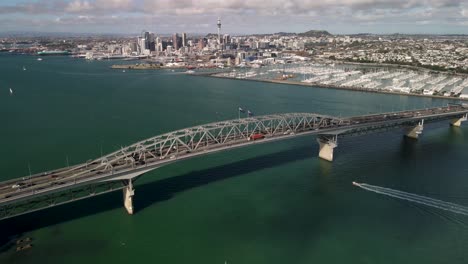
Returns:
(242,55)
(202,43)
(168,50)
(227,39)
(134,46)
(158,46)
(184,50)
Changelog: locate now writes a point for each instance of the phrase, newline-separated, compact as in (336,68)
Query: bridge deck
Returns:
(190,142)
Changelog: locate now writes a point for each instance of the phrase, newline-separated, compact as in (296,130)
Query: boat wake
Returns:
(447,206)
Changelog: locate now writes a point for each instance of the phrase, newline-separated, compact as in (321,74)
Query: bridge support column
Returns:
(457,121)
(128,193)
(414,132)
(326,146)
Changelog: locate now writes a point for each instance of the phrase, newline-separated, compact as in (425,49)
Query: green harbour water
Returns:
(266,203)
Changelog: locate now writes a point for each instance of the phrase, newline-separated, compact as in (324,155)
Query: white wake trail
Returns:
(447,206)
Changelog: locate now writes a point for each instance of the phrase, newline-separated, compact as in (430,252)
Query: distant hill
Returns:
(211,35)
(310,33)
(315,33)
(285,34)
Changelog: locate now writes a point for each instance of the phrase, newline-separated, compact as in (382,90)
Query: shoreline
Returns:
(149,66)
(339,87)
(137,66)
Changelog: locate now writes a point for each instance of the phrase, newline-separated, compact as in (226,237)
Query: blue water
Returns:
(269,203)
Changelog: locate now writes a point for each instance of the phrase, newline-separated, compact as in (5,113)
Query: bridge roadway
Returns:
(117,170)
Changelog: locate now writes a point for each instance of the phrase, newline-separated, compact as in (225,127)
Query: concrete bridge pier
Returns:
(414,132)
(457,121)
(128,193)
(326,146)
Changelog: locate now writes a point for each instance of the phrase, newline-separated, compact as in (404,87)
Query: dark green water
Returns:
(272,203)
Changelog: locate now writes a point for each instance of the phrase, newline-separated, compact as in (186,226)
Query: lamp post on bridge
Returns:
(240,110)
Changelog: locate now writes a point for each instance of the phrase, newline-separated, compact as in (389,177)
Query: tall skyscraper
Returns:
(146,36)
(184,40)
(219,30)
(150,42)
(145,42)
(141,45)
(176,41)
(158,44)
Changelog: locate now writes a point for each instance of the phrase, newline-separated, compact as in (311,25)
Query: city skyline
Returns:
(165,17)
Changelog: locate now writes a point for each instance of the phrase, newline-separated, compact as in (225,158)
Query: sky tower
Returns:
(219,30)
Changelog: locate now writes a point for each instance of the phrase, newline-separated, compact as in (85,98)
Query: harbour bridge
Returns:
(118,170)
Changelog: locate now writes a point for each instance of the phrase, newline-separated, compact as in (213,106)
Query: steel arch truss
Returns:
(207,137)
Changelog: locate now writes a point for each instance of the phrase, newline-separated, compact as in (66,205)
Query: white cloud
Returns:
(464,12)
(213,7)
(115,4)
(242,15)
(78,6)
(81,6)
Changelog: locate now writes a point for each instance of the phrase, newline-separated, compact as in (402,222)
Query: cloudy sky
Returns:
(237,16)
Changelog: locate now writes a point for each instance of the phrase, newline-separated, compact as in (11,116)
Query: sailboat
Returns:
(11,91)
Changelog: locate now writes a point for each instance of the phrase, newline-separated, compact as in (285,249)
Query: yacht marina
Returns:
(375,79)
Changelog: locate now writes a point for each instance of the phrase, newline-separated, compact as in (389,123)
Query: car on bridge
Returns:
(256,136)
(16,186)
